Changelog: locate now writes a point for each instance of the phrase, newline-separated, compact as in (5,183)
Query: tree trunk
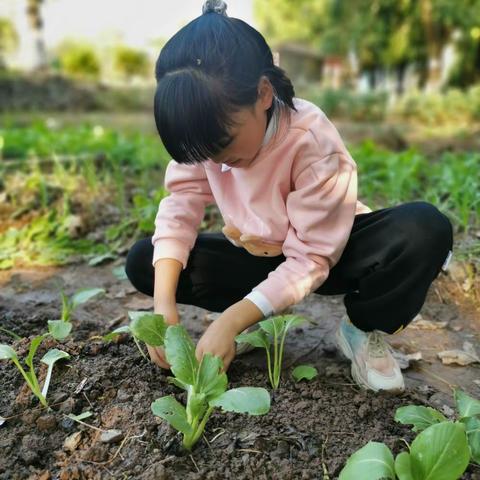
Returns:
(36,24)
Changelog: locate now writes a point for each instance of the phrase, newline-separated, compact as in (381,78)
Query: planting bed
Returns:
(310,431)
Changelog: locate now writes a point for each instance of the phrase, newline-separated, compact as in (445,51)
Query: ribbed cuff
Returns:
(168,248)
(261,301)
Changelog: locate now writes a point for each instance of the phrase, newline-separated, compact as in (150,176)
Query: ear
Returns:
(265,93)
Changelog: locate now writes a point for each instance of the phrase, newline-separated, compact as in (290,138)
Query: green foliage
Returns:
(79,60)
(382,33)
(69,305)
(451,183)
(148,327)
(372,462)
(344,103)
(131,62)
(30,376)
(205,384)
(420,417)
(8,37)
(271,335)
(441,451)
(50,171)
(307,372)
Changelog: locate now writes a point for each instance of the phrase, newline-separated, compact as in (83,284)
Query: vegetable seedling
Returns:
(49,359)
(271,335)
(146,327)
(307,372)
(60,329)
(441,450)
(206,388)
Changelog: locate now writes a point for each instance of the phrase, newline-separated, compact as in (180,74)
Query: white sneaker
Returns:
(373,365)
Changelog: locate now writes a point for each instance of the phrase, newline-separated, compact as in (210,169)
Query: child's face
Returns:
(249,130)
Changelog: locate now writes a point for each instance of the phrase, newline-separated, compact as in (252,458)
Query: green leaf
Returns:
(179,384)
(59,329)
(374,461)
(210,380)
(467,406)
(440,452)
(7,353)
(173,412)
(54,355)
(80,417)
(10,333)
(115,333)
(180,352)
(403,467)
(85,295)
(418,416)
(273,325)
(120,273)
(304,371)
(148,327)
(34,344)
(292,321)
(258,338)
(251,400)
(99,259)
(472,427)
(196,405)
(49,359)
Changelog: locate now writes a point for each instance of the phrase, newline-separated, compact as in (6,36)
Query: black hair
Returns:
(207,71)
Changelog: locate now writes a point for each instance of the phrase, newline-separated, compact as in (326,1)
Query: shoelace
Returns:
(376,345)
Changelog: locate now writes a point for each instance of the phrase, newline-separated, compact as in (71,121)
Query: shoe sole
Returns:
(347,351)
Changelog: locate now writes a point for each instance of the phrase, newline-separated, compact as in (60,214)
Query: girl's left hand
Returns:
(219,340)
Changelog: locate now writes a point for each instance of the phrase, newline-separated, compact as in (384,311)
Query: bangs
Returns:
(192,115)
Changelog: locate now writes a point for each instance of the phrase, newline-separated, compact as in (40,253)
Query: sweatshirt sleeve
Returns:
(321,211)
(180,214)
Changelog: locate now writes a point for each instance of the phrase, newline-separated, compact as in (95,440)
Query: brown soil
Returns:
(310,431)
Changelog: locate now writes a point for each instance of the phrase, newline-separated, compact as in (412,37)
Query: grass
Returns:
(57,174)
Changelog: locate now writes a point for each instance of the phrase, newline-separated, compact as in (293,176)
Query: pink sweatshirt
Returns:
(299,196)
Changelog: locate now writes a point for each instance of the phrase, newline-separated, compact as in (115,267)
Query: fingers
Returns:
(157,357)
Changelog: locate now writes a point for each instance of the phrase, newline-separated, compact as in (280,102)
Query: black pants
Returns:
(390,260)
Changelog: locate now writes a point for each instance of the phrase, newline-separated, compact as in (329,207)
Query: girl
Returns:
(286,188)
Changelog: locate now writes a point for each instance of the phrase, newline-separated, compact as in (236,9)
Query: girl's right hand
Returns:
(170,312)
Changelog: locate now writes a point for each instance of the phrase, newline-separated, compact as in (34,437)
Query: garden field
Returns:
(76,192)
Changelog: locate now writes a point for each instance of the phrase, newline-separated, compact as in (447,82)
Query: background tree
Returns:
(8,40)
(384,35)
(36,24)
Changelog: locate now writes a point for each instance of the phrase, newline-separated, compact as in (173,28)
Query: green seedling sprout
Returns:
(144,327)
(60,329)
(206,387)
(441,450)
(271,335)
(49,359)
(204,382)
(307,372)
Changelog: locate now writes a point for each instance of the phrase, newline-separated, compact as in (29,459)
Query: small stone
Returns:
(72,441)
(111,436)
(67,423)
(123,395)
(28,456)
(67,406)
(46,423)
(363,410)
(59,397)
(30,417)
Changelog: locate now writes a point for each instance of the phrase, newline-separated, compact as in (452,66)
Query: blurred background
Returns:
(81,165)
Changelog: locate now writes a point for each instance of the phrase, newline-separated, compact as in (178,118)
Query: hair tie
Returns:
(215,6)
